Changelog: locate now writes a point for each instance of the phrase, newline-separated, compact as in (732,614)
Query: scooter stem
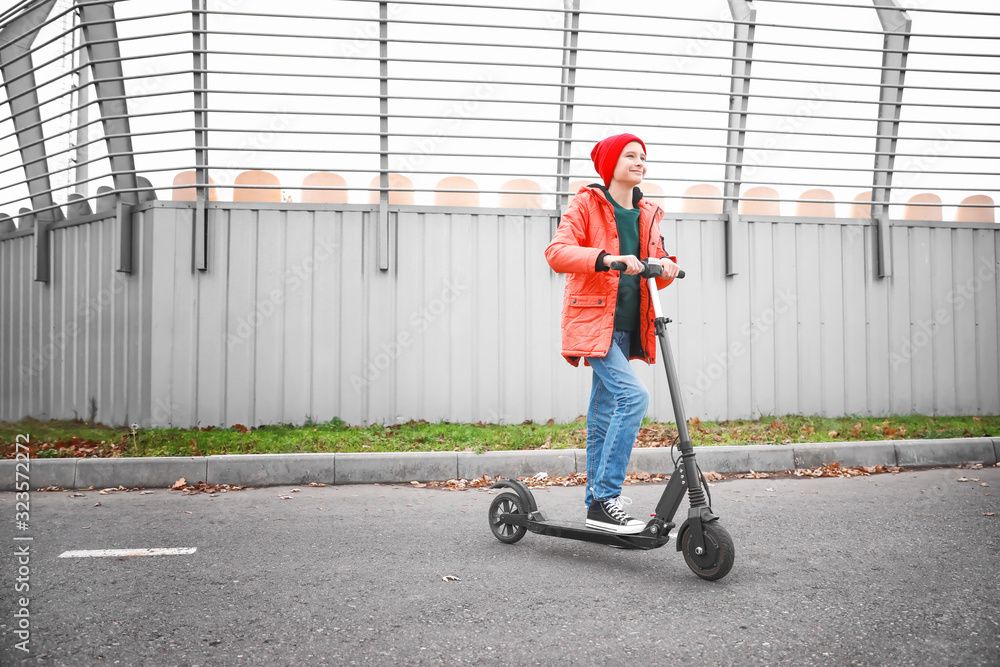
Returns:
(668,362)
(687,466)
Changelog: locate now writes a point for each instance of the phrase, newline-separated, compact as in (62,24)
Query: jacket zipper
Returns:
(649,297)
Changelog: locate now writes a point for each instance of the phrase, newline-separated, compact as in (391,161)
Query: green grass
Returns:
(68,438)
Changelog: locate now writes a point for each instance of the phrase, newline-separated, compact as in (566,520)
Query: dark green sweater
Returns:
(627,307)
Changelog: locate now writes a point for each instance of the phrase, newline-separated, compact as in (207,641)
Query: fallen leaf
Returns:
(769,489)
(146,493)
(836,470)
(284,497)
(202,487)
(316,484)
(419,485)
(753,475)
(295,490)
(983,484)
(97,504)
(449,577)
(962,479)
(988,513)
(833,434)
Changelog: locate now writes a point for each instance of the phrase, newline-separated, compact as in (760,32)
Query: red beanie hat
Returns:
(607,151)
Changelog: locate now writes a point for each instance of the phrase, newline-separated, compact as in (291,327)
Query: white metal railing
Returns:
(819,102)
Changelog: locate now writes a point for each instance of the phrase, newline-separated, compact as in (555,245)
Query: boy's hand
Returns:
(632,264)
(670,269)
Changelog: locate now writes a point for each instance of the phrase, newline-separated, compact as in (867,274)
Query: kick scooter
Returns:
(707,546)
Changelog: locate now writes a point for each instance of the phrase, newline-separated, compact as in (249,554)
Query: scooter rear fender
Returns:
(522,492)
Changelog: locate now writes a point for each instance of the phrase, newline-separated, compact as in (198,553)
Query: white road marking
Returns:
(101,553)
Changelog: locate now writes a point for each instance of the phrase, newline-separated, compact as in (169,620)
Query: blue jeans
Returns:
(618,402)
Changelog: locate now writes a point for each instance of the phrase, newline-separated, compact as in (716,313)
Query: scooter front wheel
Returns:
(721,563)
(506,503)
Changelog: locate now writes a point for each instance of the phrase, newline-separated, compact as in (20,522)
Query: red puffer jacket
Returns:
(588,313)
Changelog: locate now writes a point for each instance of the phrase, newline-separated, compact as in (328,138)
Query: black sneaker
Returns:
(609,515)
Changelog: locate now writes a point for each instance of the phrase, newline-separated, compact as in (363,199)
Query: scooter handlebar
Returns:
(648,270)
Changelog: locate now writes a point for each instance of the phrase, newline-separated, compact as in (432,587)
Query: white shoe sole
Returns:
(612,528)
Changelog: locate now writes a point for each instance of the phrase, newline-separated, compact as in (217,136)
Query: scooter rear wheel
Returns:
(710,568)
(506,503)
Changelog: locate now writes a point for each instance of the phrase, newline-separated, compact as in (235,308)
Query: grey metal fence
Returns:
(795,144)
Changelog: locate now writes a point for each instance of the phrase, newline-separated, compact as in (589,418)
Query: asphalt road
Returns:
(884,570)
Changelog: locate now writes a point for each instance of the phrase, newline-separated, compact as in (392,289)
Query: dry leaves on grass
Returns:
(837,470)
(72,447)
(202,487)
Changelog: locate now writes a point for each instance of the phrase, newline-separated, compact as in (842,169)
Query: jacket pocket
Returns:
(583,318)
(586,301)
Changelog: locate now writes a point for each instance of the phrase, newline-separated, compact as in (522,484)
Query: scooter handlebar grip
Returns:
(620,266)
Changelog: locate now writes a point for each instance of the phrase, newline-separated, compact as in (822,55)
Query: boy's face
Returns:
(631,167)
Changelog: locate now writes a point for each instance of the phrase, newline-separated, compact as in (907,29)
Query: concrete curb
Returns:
(281,469)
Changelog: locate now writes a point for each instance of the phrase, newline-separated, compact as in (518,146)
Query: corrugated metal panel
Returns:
(76,338)
(293,320)
(986,254)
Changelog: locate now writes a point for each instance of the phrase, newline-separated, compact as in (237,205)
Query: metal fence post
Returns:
(383,110)
(567,94)
(745,17)
(82,149)
(17,68)
(896,24)
(199,49)
(100,35)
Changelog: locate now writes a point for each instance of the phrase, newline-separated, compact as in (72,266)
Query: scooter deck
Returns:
(578,530)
